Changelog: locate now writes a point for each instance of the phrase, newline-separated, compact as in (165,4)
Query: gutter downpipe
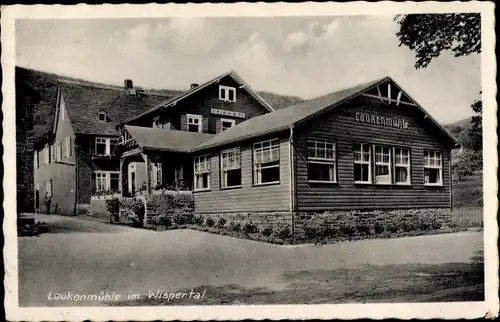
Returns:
(292,180)
(77,156)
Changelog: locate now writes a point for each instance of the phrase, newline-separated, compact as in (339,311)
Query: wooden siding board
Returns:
(340,125)
(248,198)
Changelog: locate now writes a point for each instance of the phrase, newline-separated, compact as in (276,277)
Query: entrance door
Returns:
(131,179)
(179,175)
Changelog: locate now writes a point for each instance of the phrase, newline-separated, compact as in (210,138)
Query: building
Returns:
(74,160)
(366,148)
(162,138)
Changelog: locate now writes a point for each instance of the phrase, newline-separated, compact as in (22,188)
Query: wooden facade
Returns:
(203,103)
(340,126)
(249,197)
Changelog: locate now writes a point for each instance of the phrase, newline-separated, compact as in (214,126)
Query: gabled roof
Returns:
(166,140)
(172,101)
(287,117)
(84,100)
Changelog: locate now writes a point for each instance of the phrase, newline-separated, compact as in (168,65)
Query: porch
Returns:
(154,159)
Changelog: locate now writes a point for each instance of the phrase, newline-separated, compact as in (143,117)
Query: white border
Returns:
(347,311)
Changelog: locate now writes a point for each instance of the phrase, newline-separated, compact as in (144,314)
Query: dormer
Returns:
(102,116)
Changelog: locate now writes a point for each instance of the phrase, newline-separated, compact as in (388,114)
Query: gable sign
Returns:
(227,113)
(395,122)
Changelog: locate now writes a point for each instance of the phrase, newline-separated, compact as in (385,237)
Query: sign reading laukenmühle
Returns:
(381,120)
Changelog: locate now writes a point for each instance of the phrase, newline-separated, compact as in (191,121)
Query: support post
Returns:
(147,162)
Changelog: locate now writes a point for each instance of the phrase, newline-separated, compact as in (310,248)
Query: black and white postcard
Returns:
(250,161)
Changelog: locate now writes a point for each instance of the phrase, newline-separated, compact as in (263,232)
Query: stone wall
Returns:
(261,219)
(337,219)
(170,203)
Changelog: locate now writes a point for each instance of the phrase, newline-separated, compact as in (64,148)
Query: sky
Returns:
(300,56)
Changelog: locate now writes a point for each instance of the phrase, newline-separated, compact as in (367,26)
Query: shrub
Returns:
(348,230)
(284,232)
(210,222)
(423,224)
(268,231)
(311,232)
(197,220)
(133,211)
(378,228)
(184,218)
(164,220)
(235,226)
(407,226)
(363,229)
(221,222)
(436,225)
(391,227)
(113,206)
(250,228)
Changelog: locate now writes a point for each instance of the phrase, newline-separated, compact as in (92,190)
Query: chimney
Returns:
(194,85)
(129,86)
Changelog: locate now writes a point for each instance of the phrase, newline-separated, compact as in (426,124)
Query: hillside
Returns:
(45,85)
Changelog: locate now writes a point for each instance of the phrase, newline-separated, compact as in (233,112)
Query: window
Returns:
(227,93)
(53,152)
(100,181)
(59,151)
(320,160)
(266,162)
(48,188)
(105,146)
(194,123)
(69,147)
(107,181)
(402,166)
(202,173)
(156,174)
(226,124)
(230,168)
(156,122)
(433,168)
(362,163)
(383,165)
(102,116)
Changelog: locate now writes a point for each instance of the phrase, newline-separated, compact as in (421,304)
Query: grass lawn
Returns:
(233,271)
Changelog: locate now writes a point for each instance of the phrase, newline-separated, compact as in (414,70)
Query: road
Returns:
(85,257)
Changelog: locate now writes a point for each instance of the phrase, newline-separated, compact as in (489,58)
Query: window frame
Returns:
(319,160)
(222,120)
(226,90)
(223,170)
(59,151)
(200,122)
(156,123)
(440,168)
(196,173)
(107,178)
(408,166)
(107,143)
(258,166)
(102,113)
(369,162)
(381,163)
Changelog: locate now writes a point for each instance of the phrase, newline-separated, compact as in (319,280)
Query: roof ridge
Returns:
(90,84)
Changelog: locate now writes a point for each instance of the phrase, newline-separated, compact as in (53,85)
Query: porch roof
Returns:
(166,140)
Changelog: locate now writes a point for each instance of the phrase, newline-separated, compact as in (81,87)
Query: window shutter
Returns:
(204,126)
(184,122)
(218,126)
